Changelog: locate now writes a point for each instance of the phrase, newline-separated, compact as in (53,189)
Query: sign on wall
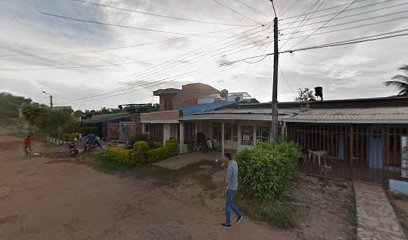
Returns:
(404,157)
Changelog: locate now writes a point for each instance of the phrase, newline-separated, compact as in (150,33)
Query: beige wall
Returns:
(206,128)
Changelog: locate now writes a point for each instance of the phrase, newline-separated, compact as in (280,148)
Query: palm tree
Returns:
(400,81)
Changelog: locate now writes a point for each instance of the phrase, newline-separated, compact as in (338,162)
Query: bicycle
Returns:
(28,152)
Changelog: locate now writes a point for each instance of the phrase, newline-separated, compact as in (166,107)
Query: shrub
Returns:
(267,169)
(155,145)
(138,154)
(169,150)
(118,154)
(140,137)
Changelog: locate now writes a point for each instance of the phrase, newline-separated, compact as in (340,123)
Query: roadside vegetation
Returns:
(265,173)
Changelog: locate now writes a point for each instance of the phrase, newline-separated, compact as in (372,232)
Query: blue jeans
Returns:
(229,205)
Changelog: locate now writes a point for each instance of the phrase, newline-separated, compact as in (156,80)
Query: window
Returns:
(216,131)
(262,134)
(228,131)
(168,103)
(235,132)
(247,136)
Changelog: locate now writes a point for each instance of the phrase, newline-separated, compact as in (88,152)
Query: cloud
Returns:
(342,71)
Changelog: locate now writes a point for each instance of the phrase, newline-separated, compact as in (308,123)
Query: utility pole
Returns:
(275,119)
(50,97)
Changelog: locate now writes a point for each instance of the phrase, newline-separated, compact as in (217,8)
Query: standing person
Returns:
(27,146)
(231,187)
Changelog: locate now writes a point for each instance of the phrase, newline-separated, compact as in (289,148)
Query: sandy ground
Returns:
(43,198)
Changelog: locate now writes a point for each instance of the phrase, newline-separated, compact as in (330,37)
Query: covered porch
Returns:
(231,129)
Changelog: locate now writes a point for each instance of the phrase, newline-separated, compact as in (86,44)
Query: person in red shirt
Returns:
(27,146)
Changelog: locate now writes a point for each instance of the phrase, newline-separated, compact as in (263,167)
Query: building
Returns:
(164,124)
(362,139)
(115,126)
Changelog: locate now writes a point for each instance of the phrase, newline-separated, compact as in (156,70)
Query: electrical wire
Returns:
(358,14)
(233,10)
(348,10)
(252,8)
(347,7)
(105,49)
(156,14)
(125,26)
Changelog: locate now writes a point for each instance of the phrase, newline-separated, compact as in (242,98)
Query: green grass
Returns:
(163,176)
(352,217)
(280,213)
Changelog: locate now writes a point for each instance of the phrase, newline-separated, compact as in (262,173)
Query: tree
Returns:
(305,95)
(400,81)
(10,106)
(49,120)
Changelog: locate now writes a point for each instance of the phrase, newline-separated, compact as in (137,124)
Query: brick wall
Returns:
(160,116)
(134,127)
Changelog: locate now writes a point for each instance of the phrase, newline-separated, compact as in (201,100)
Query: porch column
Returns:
(222,138)
(254,136)
(239,136)
(182,150)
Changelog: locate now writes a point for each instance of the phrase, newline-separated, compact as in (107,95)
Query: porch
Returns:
(362,152)
(225,135)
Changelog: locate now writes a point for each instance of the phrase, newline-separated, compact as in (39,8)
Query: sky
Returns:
(120,55)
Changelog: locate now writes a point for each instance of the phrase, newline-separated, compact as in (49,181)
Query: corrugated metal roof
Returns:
(356,115)
(396,115)
(204,107)
(109,117)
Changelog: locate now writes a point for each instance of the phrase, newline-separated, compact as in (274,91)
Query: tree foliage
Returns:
(400,81)
(305,95)
(10,106)
(49,120)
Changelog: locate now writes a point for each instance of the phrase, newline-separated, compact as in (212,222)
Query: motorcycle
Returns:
(72,149)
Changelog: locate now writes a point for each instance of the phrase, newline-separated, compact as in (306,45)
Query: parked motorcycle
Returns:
(72,149)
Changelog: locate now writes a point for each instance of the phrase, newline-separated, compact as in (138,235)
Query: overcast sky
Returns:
(89,66)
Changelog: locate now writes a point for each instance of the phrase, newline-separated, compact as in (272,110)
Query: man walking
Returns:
(231,188)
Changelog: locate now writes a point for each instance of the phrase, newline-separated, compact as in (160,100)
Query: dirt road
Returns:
(44,199)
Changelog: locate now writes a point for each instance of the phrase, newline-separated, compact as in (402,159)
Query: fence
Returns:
(362,152)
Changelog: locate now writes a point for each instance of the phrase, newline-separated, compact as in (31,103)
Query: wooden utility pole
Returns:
(51,101)
(275,119)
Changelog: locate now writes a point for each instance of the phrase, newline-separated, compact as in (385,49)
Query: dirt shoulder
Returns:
(53,197)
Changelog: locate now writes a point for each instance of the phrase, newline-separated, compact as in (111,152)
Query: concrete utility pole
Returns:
(275,119)
(50,97)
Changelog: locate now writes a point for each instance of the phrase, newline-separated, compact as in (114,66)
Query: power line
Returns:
(105,49)
(156,14)
(233,10)
(81,66)
(329,8)
(361,13)
(125,26)
(352,27)
(252,8)
(286,81)
(303,22)
(347,7)
(195,53)
(348,10)
(334,44)
(290,6)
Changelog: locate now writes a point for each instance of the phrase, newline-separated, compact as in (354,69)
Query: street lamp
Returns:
(50,97)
